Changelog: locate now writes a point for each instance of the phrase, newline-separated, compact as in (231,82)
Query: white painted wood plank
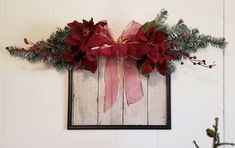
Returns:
(136,114)
(113,116)
(157,99)
(85,86)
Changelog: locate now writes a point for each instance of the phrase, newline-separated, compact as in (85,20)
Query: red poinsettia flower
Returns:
(154,44)
(85,36)
(80,32)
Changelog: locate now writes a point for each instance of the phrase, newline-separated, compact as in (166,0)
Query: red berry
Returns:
(26,41)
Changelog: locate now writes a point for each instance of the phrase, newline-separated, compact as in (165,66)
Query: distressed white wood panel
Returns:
(136,114)
(113,116)
(157,99)
(85,94)
(230,71)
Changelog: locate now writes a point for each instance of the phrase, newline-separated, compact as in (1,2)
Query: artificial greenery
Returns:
(182,41)
(45,50)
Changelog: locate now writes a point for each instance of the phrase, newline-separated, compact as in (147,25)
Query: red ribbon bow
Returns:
(121,48)
(95,40)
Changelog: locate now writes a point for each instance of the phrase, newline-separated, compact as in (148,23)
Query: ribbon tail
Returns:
(132,82)
(111,82)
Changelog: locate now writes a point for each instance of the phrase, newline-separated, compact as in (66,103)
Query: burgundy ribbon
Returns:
(111,82)
(132,82)
(113,52)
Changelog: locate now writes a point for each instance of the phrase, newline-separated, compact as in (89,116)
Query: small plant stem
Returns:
(194,142)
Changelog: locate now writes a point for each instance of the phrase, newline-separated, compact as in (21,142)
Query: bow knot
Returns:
(95,40)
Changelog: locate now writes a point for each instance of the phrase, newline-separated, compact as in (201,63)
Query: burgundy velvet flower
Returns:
(84,37)
(154,44)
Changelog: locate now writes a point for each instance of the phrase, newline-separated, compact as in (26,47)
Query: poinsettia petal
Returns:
(168,57)
(98,40)
(72,42)
(154,55)
(88,24)
(85,22)
(151,33)
(143,49)
(77,36)
(162,46)
(75,26)
(91,66)
(162,68)
(91,23)
(89,56)
(147,67)
(137,50)
(99,37)
(141,36)
(161,36)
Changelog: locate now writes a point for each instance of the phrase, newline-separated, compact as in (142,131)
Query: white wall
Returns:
(33,98)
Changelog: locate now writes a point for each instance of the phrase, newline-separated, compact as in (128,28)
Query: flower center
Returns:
(86,31)
(151,43)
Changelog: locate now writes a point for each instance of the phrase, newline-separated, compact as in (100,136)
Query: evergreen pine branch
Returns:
(31,56)
(158,22)
(57,38)
(171,67)
(36,55)
(50,51)
(190,40)
(213,41)
(161,18)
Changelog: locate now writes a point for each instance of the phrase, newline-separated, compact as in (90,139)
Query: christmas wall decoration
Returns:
(141,47)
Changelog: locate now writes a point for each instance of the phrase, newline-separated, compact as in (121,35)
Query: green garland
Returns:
(181,39)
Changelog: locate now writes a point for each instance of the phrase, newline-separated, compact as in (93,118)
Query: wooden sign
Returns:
(86,102)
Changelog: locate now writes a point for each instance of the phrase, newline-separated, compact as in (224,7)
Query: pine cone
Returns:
(210,133)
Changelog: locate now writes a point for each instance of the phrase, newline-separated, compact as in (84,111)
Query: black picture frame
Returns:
(70,126)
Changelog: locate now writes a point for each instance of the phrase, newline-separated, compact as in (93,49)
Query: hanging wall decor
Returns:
(123,83)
